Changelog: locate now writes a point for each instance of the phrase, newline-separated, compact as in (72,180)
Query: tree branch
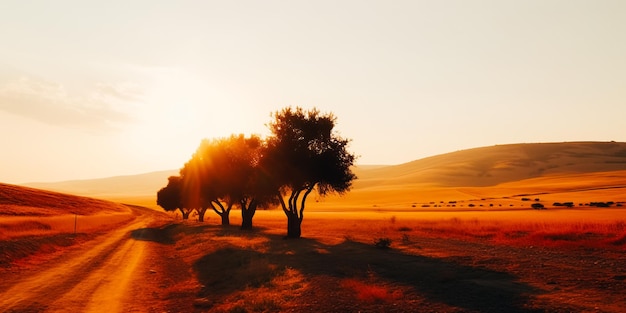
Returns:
(282,203)
(292,200)
(306,194)
(220,205)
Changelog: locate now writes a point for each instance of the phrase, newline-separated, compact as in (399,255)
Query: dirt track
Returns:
(93,277)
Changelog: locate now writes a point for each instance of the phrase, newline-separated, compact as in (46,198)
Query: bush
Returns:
(537,206)
(382,243)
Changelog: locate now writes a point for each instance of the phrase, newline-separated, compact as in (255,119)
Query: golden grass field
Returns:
(461,231)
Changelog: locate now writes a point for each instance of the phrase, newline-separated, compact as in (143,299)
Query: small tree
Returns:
(202,184)
(224,172)
(237,175)
(170,197)
(302,154)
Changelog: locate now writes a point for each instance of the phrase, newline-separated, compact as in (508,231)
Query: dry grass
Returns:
(593,228)
(371,292)
(36,222)
(15,227)
(601,235)
(259,271)
(23,201)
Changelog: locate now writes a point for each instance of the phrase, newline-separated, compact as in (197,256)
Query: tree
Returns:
(303,154)
(247,183)
(170,197)
(227,171)
(202,185)
(223,172)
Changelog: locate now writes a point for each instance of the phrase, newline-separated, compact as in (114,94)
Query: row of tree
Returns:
(302,154)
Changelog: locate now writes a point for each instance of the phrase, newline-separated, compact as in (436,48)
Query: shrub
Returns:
(537,206)
(382,243)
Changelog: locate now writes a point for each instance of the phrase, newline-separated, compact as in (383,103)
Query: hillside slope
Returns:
(24,201)
(489,166)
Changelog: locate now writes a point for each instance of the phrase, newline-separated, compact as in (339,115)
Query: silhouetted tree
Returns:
(170,197)
(303,154)
(202,186)
(228,172)
(247,183)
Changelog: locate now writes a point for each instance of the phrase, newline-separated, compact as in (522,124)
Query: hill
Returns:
(490,166)
(117,187)
(24,201)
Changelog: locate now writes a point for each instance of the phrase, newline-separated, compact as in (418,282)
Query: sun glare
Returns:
(178,110)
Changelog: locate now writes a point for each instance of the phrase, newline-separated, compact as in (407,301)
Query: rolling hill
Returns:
(517,166)
(24,201)
(112,187)
(490,166)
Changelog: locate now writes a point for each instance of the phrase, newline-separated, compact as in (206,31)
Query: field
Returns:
(522,261)
(395,243)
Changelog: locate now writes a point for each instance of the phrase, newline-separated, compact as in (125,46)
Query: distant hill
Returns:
(478,167)
(21,201)
(112,187)
(489,166)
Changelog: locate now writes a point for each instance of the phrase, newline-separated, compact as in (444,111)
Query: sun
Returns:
(178,110)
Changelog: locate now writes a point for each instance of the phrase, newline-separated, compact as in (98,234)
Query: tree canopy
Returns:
(170,197)
(303,154)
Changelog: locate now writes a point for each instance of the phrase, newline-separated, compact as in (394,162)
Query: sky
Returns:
(92,89)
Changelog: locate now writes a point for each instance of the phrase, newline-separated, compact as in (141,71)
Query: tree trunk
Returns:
(247,214)
(224,213)
(201,214)
(225,218)
(294,224)
(182,212)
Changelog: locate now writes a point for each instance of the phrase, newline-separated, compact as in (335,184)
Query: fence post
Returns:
(75,218)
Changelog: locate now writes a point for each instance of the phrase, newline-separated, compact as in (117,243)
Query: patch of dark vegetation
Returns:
(565,204)
(538,206)
(572,236)
(382,243)
(516,234)
(620,242)
(602,204)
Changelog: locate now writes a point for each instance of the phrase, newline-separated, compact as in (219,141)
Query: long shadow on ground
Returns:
(167,234)
(465,287)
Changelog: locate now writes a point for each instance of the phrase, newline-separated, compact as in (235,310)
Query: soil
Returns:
(156,265)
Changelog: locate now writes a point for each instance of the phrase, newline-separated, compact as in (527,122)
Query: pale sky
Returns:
(93,89)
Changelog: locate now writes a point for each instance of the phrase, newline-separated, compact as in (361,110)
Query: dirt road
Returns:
(96,276)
